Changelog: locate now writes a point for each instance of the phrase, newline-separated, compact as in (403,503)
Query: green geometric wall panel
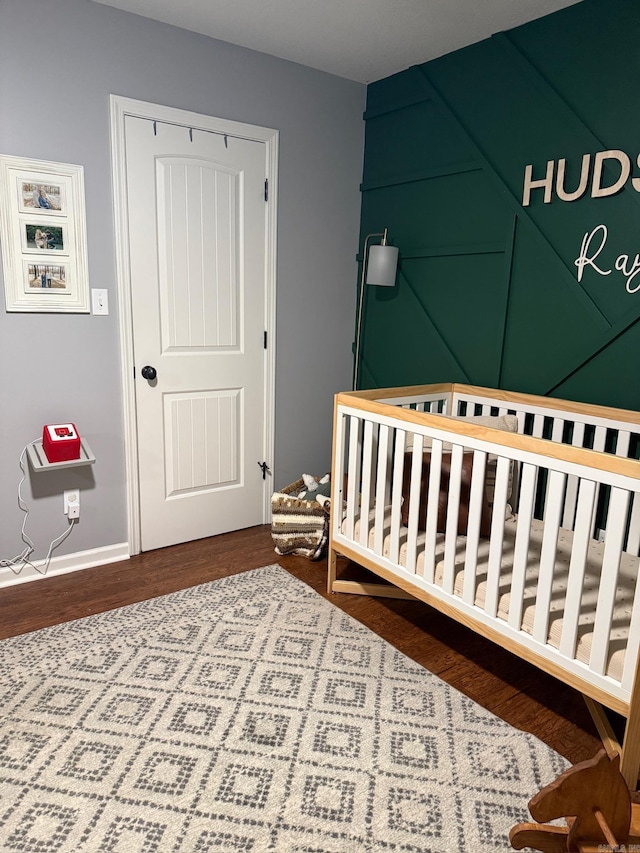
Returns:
(418,133)
(614,368)
(447,325)
(489,291)
(551,326)
(441,212)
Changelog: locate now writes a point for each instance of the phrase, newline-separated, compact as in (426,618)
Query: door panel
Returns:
(202,451)
(198,210)
(197,219)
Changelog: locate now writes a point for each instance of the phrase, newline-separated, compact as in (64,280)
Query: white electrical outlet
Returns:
(72,503)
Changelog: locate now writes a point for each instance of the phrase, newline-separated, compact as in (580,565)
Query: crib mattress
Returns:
(624,593)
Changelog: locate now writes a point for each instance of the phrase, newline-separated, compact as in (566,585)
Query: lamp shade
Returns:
(382,266)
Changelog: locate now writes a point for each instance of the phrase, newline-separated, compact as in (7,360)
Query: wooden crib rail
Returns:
(357,404)
(500,398)
(590,412)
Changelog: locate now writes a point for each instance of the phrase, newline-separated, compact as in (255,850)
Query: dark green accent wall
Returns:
(488,291)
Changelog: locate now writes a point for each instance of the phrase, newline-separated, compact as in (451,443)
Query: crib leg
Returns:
(630,750)
(630,760)
(605,730)
(332,569)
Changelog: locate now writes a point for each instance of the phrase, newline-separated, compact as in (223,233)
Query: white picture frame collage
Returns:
(43,234)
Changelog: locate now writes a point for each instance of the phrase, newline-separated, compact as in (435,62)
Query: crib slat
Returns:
(451,531)
(414,502)
(557,430)
(476,500)
(599,440)
(396,495)
(538,426)
(616,521)
(365,498)
(555,490)
(521,547)
(577,564)
(571,495)
(353,474)
(431,527)
(623,443)
(633,535)
(497,536)
(578,435)
(381,488)
(570,502)
(339,466)
(390,452)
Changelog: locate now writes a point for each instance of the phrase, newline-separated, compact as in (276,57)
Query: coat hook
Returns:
(191,134)
(226,144)
(155,129)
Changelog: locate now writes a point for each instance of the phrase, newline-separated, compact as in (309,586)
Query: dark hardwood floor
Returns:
(498,680)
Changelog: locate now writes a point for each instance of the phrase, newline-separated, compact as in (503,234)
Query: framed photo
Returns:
(39,236)
(41,196)
(43,234)
(45,278)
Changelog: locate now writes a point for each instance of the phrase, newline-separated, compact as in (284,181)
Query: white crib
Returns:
(530,538)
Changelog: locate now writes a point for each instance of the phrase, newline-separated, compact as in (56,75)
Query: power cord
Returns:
(17,563)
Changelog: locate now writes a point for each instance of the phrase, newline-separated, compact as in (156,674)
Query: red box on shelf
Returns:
(61,442)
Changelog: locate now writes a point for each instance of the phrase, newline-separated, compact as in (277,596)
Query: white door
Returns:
(196,220)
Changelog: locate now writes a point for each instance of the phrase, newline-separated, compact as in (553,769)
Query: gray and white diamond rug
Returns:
(248,714)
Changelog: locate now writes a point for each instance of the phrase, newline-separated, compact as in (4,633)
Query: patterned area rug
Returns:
(247,714)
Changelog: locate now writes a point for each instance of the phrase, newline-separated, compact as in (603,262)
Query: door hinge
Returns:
(266,189)
(265,340)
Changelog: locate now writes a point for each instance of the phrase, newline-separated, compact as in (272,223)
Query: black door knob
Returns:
(149,372)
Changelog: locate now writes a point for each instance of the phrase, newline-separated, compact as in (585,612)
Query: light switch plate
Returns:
(99,301)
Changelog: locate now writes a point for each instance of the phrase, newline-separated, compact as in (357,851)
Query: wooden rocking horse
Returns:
(595,800)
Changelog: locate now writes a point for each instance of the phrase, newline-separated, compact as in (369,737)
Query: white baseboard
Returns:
(66,563)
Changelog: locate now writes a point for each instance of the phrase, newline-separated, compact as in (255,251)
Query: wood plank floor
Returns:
(498,680)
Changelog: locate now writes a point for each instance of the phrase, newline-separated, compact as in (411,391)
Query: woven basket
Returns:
(297,526)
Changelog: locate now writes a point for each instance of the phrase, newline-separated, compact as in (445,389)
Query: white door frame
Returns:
(120,108)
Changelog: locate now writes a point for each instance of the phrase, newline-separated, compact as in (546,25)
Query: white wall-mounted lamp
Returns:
(379,267)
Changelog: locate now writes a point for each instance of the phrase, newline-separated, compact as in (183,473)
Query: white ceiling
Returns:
(363,40)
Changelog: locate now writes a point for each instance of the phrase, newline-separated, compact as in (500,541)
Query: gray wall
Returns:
(58,64)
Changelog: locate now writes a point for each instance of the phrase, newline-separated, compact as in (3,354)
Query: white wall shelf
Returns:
(39,461)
